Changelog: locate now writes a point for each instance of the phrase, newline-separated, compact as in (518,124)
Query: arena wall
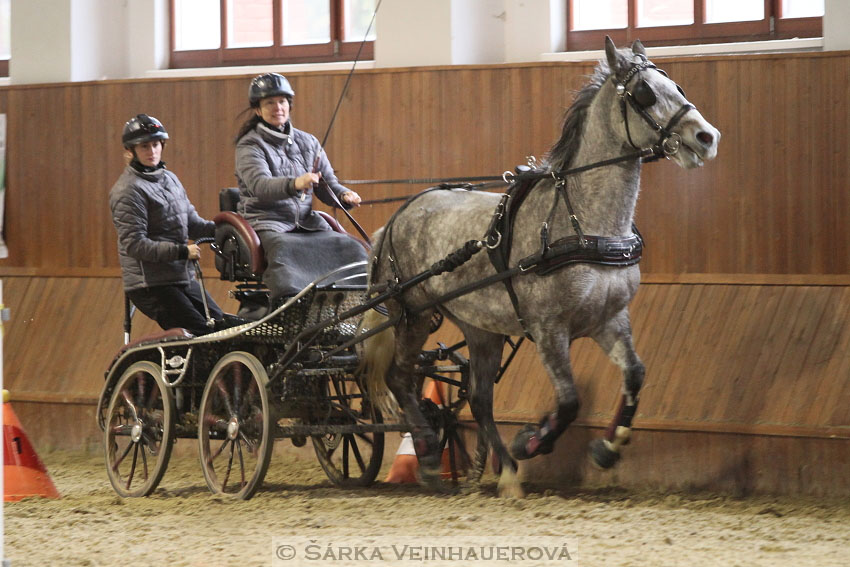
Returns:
(742,318)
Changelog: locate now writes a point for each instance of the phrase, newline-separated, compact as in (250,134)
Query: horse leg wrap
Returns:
(427,445)
(532,441)
(623,418)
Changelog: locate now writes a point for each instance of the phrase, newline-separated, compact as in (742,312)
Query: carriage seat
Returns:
(241,256)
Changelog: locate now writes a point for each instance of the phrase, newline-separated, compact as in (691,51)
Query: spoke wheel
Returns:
(350,459)
(139,431)
(234,426)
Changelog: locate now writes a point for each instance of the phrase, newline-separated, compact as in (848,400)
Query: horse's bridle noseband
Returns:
(642,97)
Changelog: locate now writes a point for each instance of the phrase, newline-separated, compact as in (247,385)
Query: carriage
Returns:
(291,373)
(553,272)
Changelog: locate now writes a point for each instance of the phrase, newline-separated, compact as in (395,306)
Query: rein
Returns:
(331,124)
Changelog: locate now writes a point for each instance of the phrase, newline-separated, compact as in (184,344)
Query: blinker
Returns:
(644,94)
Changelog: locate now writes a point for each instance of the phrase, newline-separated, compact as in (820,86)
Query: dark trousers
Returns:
(174,306)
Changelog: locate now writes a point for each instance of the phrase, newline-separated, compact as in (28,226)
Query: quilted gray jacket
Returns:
(267,163)
(154,220)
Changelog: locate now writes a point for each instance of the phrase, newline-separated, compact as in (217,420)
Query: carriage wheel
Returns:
(234,426)
(139,430)
(350,459)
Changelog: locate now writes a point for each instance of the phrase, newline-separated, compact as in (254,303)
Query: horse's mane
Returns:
(561,154)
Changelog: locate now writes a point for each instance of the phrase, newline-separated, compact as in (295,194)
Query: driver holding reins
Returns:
(279,168)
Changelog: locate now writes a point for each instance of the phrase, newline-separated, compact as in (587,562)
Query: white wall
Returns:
(98,41)
(412,32)
(41,41)
(147,33)
(67,40)
(836,25)
(533,27)
(478,31)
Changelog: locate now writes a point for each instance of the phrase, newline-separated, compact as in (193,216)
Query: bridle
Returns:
(641,97)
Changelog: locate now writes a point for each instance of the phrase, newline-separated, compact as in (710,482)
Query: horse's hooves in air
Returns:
(601,455)
(525,445)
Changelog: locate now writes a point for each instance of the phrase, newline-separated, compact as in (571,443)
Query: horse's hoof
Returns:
(473,475)
(431,478)
(601,455)
(510,486)
(525,444)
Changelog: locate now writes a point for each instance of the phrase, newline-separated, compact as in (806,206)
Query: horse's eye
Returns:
(643,94)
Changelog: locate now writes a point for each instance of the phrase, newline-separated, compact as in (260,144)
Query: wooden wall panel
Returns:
(774,201)
(731,356)
(772,356)
(734,374)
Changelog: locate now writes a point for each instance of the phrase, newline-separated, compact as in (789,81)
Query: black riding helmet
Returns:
(270,84)
(142,128)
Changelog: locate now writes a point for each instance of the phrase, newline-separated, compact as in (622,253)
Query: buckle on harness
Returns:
(671,144)
(498,239)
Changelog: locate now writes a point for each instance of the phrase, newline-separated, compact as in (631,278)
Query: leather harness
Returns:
(577,248)
(619,251)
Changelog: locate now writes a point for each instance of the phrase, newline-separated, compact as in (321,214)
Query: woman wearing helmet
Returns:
(154,220)
(278,167)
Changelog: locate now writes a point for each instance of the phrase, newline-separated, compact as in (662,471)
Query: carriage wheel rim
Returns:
(348,459)
(235,448)
(139,430)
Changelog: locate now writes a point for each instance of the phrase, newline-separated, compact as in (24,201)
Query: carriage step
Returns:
(340,429)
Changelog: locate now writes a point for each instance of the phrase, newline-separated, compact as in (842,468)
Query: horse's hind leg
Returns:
(485,357)
(616,341)
(405,384)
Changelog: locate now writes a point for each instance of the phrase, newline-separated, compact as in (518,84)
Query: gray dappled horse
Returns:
(622,108)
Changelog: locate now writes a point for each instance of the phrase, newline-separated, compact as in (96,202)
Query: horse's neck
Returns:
(604,198)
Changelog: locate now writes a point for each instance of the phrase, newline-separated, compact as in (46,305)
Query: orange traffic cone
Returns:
(405,465)
(23,472)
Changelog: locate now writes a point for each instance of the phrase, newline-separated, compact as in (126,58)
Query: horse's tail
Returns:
(378,351)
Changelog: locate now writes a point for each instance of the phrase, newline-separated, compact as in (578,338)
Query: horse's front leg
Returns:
(616,340)
(533,440)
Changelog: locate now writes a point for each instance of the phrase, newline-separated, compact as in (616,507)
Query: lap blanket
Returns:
(297,258)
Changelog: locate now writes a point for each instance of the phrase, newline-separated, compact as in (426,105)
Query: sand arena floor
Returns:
(182,524)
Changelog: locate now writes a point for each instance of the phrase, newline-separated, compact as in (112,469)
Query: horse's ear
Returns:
(638,49)
(614,57)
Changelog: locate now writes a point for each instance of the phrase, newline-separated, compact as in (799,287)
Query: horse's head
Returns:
(654,110)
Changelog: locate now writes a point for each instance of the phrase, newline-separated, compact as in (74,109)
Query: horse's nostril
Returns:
(706,138)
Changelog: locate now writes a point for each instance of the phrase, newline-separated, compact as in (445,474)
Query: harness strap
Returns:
(607,251)
(561,187)
(499,248)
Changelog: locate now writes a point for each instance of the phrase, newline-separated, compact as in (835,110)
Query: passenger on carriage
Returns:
(154,220)
(278,168)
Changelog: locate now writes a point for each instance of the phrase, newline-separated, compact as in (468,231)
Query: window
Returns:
(212,33)
(5,36)
(671,22)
